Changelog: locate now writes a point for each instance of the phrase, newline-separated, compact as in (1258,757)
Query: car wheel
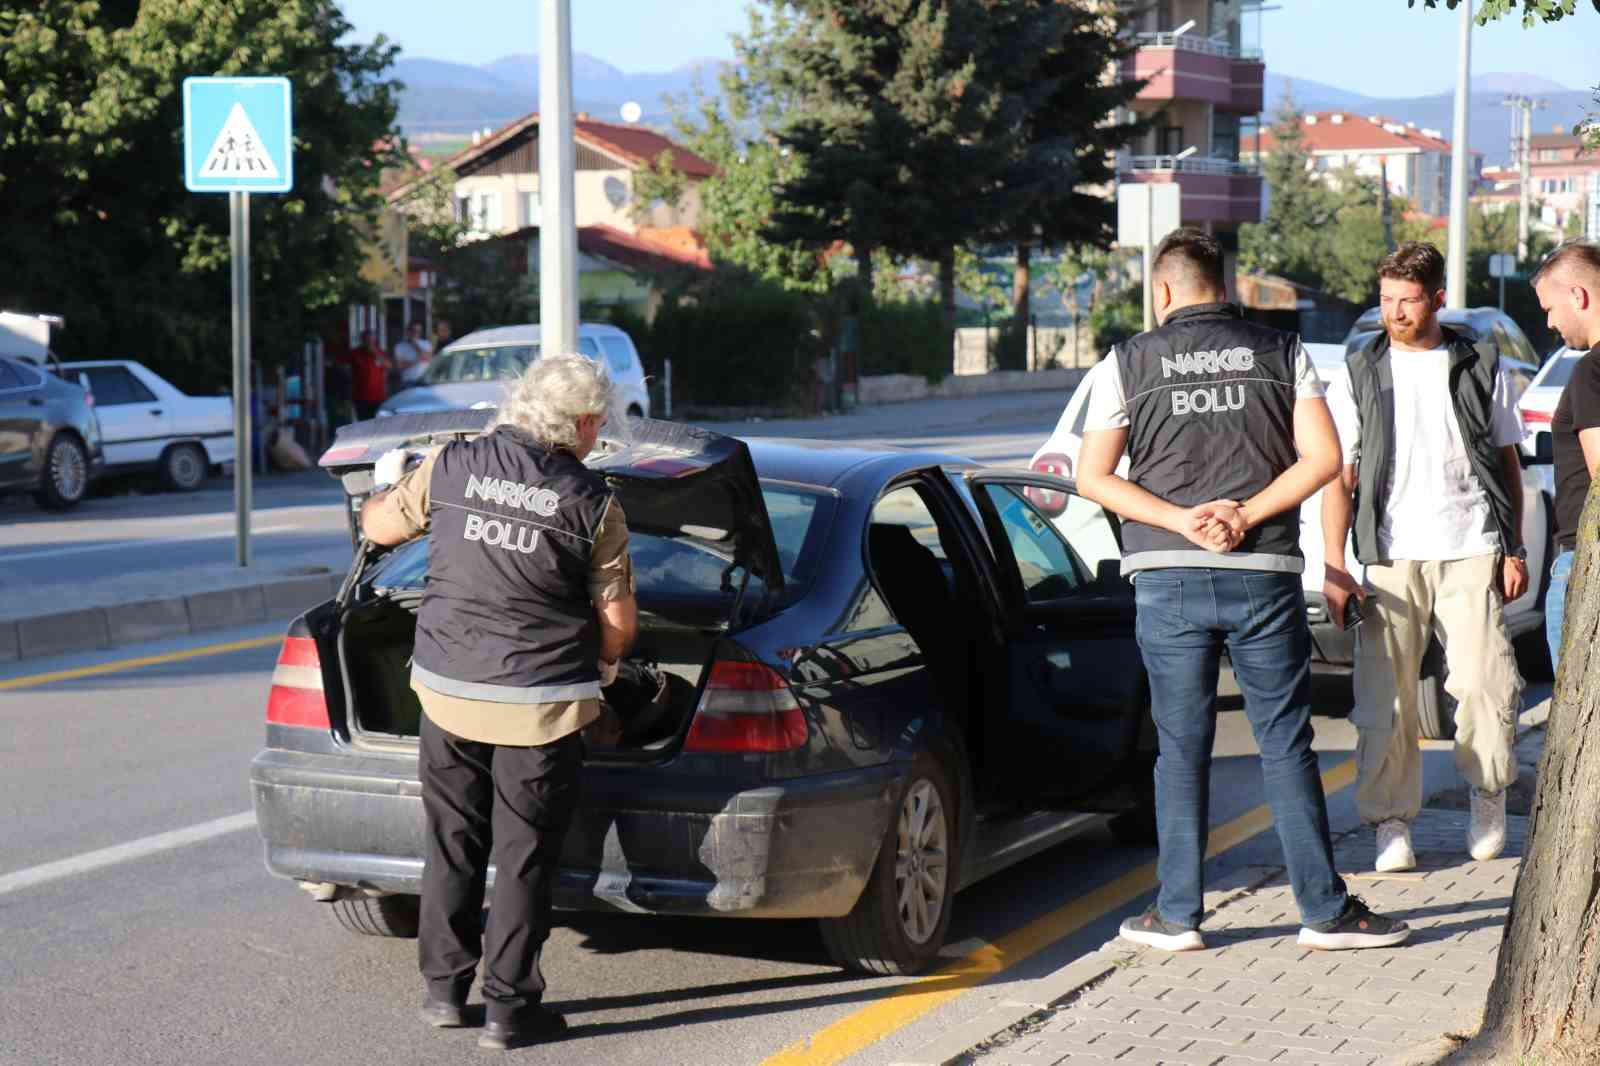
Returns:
(65,479)
(394,916)
(898,925)
(184,467)
(1435,707)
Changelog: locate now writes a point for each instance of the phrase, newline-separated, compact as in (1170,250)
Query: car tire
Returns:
(878,936)
(65,479)
(184,467)
(391,916)
(1436,709)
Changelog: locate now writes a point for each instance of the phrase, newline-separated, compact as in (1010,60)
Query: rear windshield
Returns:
(480,364)
(671,572)
(1560,372)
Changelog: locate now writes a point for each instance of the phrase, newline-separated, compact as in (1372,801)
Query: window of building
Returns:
(530,208)
(1169,140)
(1549,155)
(1225,136)
(488,212)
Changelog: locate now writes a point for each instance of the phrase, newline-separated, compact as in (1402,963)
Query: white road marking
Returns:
(148,542)
(133,849)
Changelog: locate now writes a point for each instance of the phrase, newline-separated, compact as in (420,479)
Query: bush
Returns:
(905,337)
(745,344)
(1117,318)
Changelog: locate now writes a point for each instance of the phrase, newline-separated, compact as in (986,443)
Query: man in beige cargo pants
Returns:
(1430,433)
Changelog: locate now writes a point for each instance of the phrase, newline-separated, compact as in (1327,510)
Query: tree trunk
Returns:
(1545,1000)
(863,278)
(947,298)
(1022,285)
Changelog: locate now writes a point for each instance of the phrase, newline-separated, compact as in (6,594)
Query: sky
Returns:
(1376,47)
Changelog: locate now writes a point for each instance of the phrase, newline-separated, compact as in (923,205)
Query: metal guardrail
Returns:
(1194,164)
(1189,42)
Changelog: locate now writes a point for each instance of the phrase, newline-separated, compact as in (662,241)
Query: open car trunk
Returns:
(703,552)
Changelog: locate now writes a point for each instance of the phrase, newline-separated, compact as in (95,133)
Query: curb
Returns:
(137,621)
(1077,976)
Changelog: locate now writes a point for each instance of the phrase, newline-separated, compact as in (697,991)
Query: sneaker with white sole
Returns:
(1152,930)
(1357,927)
(1394,847)
(1486,832)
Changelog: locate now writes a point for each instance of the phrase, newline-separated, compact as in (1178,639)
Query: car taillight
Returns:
(1050,502)
(746,707)
(1536,418)
(296,697)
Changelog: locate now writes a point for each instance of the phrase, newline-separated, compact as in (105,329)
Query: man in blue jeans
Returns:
(1568,287)
(1227,433)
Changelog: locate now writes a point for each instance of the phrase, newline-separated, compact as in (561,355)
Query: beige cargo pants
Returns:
(1407,601)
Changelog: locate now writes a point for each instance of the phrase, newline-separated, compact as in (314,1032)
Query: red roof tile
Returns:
(1355,133)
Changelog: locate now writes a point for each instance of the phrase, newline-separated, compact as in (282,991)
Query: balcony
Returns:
(1219,191)
(1183,66)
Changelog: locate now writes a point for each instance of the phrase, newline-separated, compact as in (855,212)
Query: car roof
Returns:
(829,464)
(526,333)
(81,363)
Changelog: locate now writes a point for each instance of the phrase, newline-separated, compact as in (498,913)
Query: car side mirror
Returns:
(1543,452)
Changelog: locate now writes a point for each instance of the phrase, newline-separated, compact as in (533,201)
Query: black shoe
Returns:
(1151,930)
(440,1014)
(535,1026)
(1357,927)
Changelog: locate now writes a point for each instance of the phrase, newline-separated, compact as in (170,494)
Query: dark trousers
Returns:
(511,804)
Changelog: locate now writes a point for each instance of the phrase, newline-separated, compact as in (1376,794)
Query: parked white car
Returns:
(1524,616)
(473,371)
(1538,404)
(147,424)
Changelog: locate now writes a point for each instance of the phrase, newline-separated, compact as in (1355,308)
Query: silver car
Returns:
(473,372)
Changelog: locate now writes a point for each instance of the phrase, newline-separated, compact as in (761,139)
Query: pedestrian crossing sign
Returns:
(237,135)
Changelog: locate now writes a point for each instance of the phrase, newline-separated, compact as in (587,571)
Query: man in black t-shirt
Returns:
(1568,287)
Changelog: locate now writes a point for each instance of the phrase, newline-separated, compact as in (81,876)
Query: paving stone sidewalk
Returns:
(1254,996)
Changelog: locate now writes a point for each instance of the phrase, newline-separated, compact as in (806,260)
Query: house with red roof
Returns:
(1413,162)
(497,178)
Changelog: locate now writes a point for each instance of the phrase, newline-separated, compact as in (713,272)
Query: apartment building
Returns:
(1206,81)
(1563,175)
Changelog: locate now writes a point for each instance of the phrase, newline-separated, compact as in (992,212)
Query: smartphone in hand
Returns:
(1352,612)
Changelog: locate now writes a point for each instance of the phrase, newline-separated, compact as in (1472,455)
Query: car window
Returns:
(114,385)
(1520,346)
(1049,567)
(480,364)
(9,377)
(619,355)
(905,507)
(587,347)
(1559,372)
(666,570)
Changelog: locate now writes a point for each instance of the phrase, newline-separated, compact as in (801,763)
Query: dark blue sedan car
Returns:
(885,674)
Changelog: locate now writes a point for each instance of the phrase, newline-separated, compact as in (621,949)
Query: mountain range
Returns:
(442,98)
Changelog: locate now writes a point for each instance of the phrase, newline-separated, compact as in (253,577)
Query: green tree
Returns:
(1049,61)
(1292,240)
(1532,10)
(99,227)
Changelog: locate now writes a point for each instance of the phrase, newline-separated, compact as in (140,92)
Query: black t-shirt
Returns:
(1577,410)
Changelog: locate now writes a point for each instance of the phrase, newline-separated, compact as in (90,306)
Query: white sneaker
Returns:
(1486,833)
(1394,847)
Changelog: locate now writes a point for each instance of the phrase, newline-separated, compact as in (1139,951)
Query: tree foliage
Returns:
(1532,11)
(97,223)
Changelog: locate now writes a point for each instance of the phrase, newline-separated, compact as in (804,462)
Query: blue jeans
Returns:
(1555,604)
(1186,617)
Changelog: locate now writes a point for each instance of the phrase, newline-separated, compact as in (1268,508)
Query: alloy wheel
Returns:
(68,472)
(921,867)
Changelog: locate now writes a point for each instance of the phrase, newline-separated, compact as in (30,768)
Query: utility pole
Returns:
(1456,267)
(558,228)
(1522,153)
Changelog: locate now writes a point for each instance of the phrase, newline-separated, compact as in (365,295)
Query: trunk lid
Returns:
(672,480)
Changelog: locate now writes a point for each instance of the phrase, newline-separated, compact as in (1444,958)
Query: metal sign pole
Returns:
(243,453)
(1149,256)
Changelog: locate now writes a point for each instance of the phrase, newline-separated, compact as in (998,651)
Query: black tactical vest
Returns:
(1472,380)
(506,614)
(1211,416)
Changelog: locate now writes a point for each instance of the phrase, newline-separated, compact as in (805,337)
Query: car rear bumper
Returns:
(643,840)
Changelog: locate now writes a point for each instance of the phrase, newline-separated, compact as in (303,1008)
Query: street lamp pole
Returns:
(1456,266)
(558,229)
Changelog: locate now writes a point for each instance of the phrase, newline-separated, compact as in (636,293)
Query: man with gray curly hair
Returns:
(528,607)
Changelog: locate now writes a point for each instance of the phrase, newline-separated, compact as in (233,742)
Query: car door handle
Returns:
(35,401)
(155,412)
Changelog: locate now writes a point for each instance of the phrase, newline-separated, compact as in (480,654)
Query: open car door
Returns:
(1078,698)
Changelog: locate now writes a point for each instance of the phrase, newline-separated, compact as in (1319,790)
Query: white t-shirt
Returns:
(1108,402)
(413,357)
(1437,509)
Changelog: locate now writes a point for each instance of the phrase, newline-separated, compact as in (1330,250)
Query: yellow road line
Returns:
(905,1004)
(31,680)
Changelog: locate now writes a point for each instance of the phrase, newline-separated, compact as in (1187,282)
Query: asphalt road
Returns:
(178,947)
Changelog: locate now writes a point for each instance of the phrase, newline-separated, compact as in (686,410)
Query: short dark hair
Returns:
(1416,261)
(1576,253)
(1194,255)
